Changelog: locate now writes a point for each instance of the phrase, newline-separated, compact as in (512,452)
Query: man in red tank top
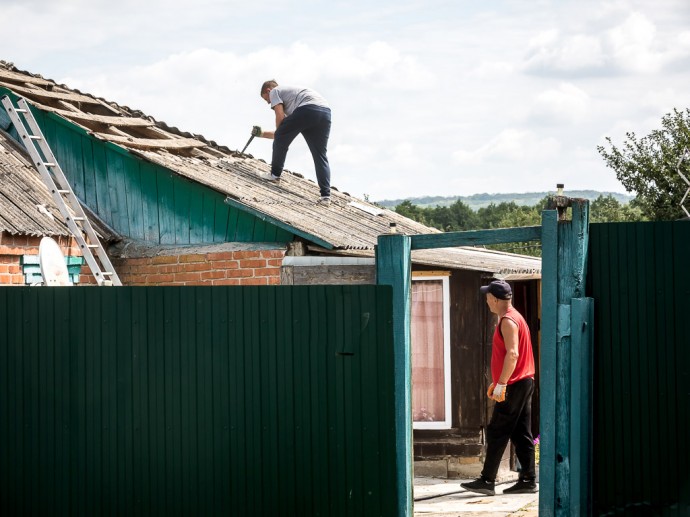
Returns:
(512,373)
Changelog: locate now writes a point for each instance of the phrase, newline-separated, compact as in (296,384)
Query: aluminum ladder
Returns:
(62,193)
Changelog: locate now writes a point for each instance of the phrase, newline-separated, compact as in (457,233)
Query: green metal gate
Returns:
(640,279)
(197,401)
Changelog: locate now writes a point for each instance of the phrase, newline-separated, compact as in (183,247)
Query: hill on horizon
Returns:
(477,201)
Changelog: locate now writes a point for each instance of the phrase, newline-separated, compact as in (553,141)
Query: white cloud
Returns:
(565,104)
(514,145)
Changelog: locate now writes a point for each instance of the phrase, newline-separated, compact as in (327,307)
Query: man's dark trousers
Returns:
(511,420)
(314,122)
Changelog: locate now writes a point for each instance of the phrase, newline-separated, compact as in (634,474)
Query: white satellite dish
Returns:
(52,262)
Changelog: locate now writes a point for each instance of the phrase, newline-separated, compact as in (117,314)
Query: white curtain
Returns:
(428,394)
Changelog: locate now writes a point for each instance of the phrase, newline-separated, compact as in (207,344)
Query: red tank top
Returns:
(525,364)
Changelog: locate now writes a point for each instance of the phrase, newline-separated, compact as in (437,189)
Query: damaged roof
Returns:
(349,224)
(26,207)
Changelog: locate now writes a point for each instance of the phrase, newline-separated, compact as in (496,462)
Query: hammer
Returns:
(248,142)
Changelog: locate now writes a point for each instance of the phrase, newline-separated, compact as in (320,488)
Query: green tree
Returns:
(607,209)
(647,166)
(414,212)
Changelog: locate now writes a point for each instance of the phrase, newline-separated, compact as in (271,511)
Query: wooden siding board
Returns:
(182,196)
(151,208)
(196,216)
(90,198)
(135,204)
(117,192)
(100,171)
(166,206)
(244,230)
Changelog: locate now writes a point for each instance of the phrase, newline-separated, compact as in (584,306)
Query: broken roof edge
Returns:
(130,112)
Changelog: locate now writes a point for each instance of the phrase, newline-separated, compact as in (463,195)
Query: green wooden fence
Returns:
(197,401)
(640,278)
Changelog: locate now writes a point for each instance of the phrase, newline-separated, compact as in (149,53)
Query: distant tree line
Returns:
(460,217)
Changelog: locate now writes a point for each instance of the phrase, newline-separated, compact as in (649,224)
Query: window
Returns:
(430,329)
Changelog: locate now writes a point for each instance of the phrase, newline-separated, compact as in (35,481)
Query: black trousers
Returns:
(511,420)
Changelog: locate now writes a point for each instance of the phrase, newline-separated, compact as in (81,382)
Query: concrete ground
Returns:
(446,498)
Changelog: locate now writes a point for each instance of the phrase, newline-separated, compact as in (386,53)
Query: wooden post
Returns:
(393,267)
(565,389)
(547,373)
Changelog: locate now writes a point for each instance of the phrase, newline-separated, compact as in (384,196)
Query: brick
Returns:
(227,281)
(160,279)
(164,259)
(5,279)
(187,277)
(195,266)
(254,281)
(246,254)
(221,255)
(274,280)
(253,263)
(213,275)
(225,264)
(275,262)
(192,258)
(268,271)
(273,254)
(238,273)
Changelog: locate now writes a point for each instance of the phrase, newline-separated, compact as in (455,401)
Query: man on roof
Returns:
(298,110)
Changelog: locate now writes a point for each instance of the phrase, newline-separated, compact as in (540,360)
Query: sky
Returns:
(428,97)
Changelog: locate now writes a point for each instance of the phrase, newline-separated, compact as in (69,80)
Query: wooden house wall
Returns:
(142,200)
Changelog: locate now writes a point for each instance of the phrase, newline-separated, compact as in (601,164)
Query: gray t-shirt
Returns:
(293,97)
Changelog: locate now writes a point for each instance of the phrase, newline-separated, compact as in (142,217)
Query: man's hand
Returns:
(497,392)
(256,131)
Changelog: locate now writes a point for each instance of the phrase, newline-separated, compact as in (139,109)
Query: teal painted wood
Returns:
(471,238)
(393,267)
(582,337)
(276,222)
(548,364)
(197,401)
(640,280)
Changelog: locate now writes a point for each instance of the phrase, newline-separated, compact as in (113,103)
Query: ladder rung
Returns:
(49,164)
(107,273)
(20,110)
(92,246)
(62,191)
(35,137)
(78,218)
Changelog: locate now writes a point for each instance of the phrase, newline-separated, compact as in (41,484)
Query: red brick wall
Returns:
(12,247)
(260,267)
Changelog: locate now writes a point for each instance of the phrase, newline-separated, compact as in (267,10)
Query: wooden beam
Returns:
(32,93)
(24,78)
(77,115)
(547,366)
(497,236)
(151,143)
(393,267)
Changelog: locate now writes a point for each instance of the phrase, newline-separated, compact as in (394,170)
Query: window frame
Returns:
(444,277)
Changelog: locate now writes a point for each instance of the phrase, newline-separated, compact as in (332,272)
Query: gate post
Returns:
(566,366)
(393,267)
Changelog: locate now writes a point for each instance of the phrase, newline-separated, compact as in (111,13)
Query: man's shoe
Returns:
(324,201)
(481,486)
(523,486)
(269,177)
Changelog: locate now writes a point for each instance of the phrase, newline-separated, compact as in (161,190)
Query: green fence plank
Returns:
(200,400)
(639,344)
